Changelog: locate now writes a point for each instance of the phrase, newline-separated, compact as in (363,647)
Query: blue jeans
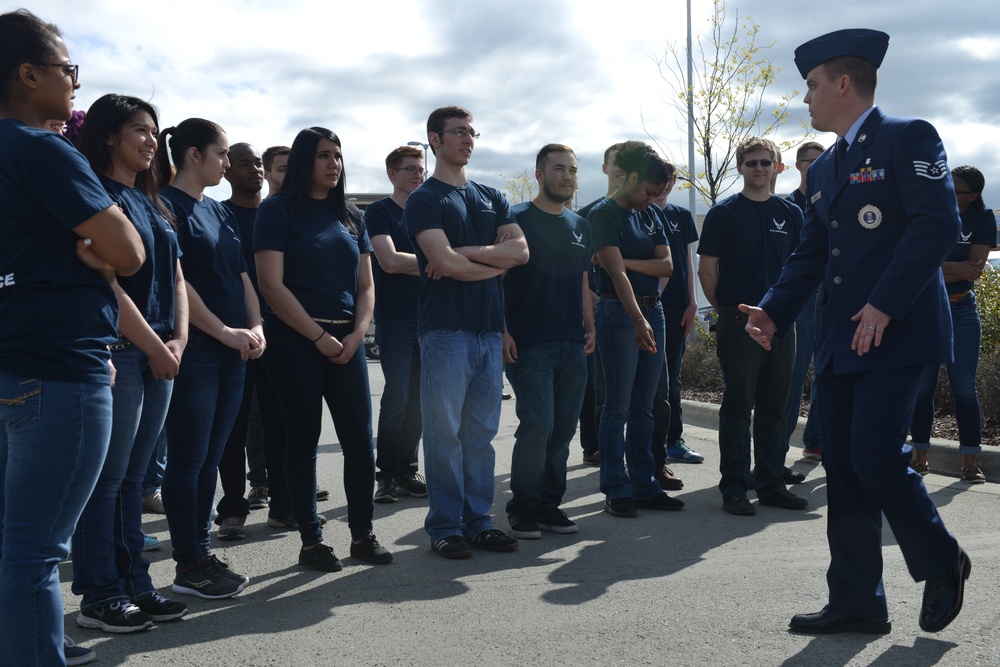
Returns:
(756,380)
(153,479)
(630,378)
(549,380)
(962,376)
(108,566)
(461,383)
(399,423)
(53,440)
(304,379)
(806,325)
(668,424)
(207,394)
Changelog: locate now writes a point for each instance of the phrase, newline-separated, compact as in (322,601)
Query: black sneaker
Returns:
(206,579)
(320,557)
(494,540)
(118,617)
(412,484)
(555,520)
(784,499)
(387,491)
(620,507)
(369,550)
(738,504)
(322,494)
(160,609)
(257,498)
(524,528)
(226,570)
(661,501)
(453,546)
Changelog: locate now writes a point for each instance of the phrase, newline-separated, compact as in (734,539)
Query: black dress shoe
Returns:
(790,476)
(827,623)
(943,596)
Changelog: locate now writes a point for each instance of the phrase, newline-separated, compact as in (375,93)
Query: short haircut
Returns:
(751,144)
(670,168)
(638,157)
(863,74)
(806,147)
(396,157)
(609,150)
(274,151)
(439,118)
(542,158)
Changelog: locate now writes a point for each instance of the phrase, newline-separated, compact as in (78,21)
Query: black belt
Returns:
(124,343)
(645,301)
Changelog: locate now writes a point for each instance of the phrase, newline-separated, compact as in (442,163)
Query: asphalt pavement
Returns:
(695,587)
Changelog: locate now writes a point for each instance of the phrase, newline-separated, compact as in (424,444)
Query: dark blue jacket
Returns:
(876,232)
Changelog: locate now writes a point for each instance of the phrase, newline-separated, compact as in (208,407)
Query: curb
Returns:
(944,457)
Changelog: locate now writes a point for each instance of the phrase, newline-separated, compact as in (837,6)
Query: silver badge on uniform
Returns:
(870,217)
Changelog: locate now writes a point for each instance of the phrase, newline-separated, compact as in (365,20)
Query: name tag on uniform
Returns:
(815,198)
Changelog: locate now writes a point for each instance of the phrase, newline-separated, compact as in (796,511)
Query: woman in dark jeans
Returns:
(63,241)
(314,268)
(225,330)
(119,139)
(632,254)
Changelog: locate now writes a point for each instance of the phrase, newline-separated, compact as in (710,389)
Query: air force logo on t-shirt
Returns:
(779,227)
(489,206)
(577,239)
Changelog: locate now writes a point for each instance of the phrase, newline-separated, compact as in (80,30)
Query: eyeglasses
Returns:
(411,170)
(460,132)
(72,70)
(811,159)
(753,163)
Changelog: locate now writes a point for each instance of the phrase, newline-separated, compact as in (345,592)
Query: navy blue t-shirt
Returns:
(544,298)
(321,255)
(396,294)
(469,216)
(678,223)
(151,288)
(213,261)
(245,220)
(979,227)
(752,241)
(57,316)
(635,233)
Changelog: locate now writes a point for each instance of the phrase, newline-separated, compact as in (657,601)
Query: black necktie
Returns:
(838,159)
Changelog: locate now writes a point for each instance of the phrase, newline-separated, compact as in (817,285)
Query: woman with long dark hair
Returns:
(119,138)
(225,330)
(314,267)
(961,269)
(632,255)
(63,242)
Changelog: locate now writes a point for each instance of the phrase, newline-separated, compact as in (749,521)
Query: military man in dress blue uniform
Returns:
(882,216)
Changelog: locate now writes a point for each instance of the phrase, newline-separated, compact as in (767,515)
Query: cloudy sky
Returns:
(532,72)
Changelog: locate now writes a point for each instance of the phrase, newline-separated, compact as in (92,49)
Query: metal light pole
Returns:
(692,194)
(425,146)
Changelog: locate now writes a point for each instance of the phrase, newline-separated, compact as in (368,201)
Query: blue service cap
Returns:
(869,45)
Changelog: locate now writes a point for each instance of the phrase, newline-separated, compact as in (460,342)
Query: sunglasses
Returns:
(753,163)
